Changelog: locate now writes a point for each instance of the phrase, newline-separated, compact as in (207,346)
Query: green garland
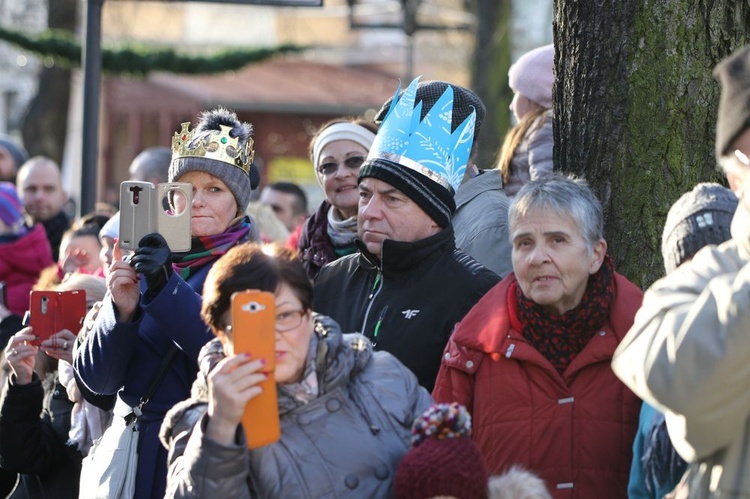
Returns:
(65,50)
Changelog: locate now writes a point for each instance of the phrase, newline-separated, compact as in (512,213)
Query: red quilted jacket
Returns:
(574,430)
(21,261)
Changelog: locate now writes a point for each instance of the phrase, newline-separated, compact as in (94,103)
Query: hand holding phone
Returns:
(53,311)
(254,332)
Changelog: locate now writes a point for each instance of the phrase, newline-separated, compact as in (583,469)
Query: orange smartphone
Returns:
(254,332)
(51,311)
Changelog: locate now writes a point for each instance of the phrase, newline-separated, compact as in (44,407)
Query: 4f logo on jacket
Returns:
(410,314)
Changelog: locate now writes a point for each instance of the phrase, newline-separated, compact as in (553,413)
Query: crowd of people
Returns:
(441,329)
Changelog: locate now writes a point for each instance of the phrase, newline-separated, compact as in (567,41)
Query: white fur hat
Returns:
(533,75)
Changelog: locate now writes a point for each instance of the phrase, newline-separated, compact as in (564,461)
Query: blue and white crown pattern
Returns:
(427,146)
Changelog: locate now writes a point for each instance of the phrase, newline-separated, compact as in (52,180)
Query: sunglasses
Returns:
(352,163)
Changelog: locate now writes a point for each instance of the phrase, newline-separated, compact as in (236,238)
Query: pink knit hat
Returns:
(533,75)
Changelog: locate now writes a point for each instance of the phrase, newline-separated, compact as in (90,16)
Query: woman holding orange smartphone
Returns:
(345,411)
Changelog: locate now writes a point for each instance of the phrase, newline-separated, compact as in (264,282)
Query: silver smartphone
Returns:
(162,208)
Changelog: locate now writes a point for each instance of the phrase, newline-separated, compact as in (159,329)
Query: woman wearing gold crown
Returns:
(150,320)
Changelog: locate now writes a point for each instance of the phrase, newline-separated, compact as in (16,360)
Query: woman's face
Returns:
(340,185)
(551,259)
(521,106)
(291,345)
(213,207)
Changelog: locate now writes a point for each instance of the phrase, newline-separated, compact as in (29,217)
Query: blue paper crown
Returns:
(427,146)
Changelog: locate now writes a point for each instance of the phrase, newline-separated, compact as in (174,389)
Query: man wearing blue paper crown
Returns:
(409,285)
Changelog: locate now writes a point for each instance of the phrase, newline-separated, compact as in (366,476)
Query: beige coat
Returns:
(688,353)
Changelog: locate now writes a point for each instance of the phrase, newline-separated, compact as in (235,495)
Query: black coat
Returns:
(34,446)
(407,303)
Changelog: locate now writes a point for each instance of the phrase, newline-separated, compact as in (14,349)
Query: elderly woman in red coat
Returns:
(531,360)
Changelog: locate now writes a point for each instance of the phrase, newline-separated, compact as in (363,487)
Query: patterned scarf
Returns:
(341,232)
(295,395)
(206,249)
(559,338)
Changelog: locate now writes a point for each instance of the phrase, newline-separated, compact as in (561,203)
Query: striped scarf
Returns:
(206,249)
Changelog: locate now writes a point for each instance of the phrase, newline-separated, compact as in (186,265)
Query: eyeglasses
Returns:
(742,157)
(285,321)
(352,163)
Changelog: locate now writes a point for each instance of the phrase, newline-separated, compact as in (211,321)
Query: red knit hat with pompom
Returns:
(443,460)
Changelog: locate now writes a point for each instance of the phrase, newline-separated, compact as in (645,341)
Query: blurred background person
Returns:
(151,314)
(151,165)
(337,152)
(526,153)
(686,354)
(32,444)
(87,421)
(38,184)
(698,218)
(345,411)
(12,156)
(108,236)
(530,358)
(24,252)
(266,226)
(288,201)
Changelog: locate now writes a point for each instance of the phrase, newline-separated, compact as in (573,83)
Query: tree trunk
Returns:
(635,109)
(491,61)
(46,120)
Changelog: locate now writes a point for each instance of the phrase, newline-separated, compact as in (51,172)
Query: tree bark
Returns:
(46,119)
(489,79)
(635,109)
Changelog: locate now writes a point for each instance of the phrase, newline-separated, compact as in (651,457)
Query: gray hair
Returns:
(567,196)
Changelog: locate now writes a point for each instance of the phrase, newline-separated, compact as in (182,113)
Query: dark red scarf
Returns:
(561,337)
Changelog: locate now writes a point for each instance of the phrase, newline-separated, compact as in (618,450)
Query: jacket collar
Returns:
(399,257)
(487,328)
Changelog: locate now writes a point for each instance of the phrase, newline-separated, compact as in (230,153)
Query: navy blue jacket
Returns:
(122,357)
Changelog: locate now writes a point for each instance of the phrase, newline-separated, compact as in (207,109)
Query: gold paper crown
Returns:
(217,145)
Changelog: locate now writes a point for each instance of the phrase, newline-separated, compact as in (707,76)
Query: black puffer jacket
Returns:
(408,302)
(35,446)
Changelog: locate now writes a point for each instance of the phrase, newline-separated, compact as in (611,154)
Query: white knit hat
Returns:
(533,75)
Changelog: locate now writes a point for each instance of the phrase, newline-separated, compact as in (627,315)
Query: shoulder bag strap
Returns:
(153,385)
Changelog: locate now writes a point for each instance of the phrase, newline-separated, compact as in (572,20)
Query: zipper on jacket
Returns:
(376,287)
(378,324)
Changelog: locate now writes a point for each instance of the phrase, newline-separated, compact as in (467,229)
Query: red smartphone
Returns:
(51,311)
(254,332)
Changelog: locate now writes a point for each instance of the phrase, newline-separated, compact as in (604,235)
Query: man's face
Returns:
(39,188)
(386,213)
(8,166)
(282,204)
(738,172)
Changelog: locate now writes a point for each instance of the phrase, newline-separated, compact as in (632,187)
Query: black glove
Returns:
(153,259)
